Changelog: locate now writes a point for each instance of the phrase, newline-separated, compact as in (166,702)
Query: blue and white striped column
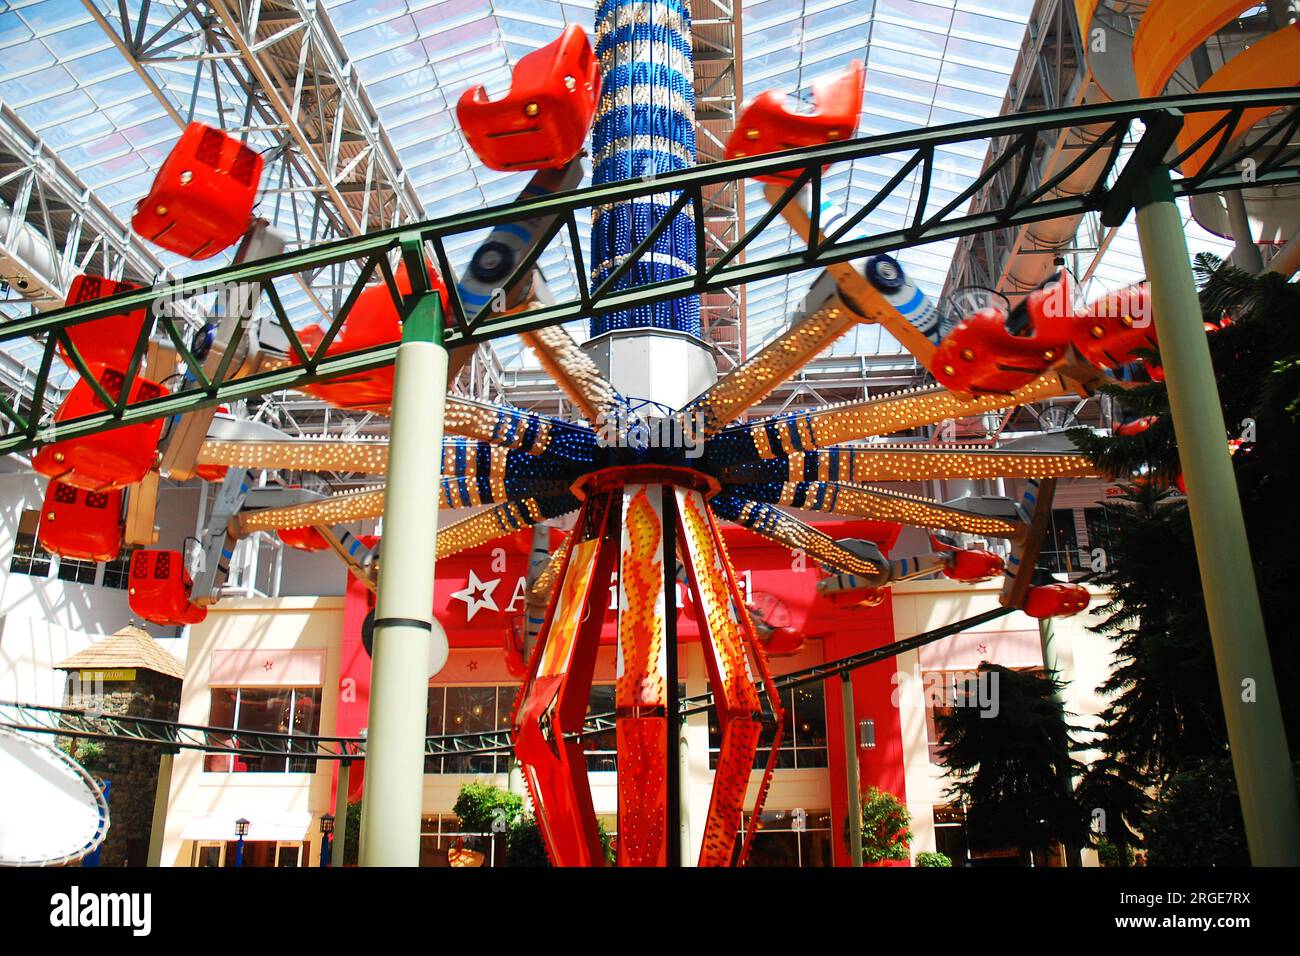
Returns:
(645,126)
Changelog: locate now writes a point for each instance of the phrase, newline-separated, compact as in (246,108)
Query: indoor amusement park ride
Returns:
(645,388)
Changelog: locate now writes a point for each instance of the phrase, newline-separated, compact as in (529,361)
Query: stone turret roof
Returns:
(131,647)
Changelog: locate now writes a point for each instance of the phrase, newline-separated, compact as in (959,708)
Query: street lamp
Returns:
(241,831)
(327,834)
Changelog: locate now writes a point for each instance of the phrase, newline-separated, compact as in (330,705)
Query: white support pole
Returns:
(404,623)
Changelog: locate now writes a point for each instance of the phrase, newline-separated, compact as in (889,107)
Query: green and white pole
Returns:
(1260,757)
(405,628)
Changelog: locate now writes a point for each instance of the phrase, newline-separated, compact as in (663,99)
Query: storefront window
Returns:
(803,736)
(268,710)
(29,557)
(444,843)
(790,838)
(117,570)
(469,710)
(78,571)
(1060,552)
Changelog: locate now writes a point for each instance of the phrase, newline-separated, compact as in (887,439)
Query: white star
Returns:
(477,595)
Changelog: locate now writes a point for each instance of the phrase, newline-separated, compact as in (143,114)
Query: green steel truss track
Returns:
(1011,141)
(171,736)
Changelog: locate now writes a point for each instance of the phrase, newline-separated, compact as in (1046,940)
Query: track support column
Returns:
(854,783)
(1260,757)
(404,623)
(161,795)
(338,846)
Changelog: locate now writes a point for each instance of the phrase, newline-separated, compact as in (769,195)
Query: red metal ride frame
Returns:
(202,199)
(767,125)
(622,520)
(542,122)
(552,702)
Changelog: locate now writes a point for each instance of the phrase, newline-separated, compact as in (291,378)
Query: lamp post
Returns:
(241,831)
(327,835)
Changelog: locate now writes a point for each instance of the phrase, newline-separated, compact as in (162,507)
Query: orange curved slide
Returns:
(1272,62)
(1171,30)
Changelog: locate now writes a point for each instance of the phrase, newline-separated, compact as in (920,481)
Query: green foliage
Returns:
(933,859)
(1165,705)
(526,847)
(1010,764)
(88,753)
(352,830)
(483,808)
(1196,820)
(885,827)
(1108,854)
(1114,795)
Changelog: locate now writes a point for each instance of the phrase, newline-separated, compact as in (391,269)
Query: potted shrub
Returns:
(483,809)
(933,859)
(885,829)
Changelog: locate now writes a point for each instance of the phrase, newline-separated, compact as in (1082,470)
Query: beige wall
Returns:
(258,624)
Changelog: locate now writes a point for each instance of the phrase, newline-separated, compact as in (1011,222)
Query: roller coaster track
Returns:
(171,736)
(1264,156)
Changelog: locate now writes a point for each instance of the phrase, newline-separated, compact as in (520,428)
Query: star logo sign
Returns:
(477,595)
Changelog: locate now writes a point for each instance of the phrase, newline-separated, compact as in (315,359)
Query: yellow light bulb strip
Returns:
(888,414)
(756,378)
(309,454)
(771,523)
(572,369)
(864,464)
(881,505)
(499,521)
(337,509)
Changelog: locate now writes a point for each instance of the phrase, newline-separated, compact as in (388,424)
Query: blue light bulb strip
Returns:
(645,126)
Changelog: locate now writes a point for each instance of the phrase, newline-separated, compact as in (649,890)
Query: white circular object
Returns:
(52,812)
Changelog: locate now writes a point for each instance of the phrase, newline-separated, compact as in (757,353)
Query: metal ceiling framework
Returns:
(912,154)
(279,72)
(279,67)
(52,227)
(1050,73)
(716,41)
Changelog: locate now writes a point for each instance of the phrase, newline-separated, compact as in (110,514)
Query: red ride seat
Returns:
(974,565)
(86,525)
(108,341)
(1107,331)
(982,355)
(373,321)
(202,199)
(160,589)
(542,122)
(1056,600)
(109,459)
(767,125)
(304,539)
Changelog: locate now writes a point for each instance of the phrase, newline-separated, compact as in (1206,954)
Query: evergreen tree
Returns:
(1165,724)
(1009,763)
